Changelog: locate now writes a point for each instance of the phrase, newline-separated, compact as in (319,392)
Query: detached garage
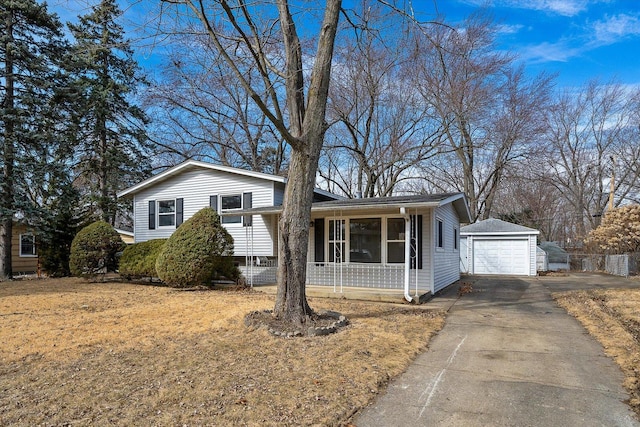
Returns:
(494,246)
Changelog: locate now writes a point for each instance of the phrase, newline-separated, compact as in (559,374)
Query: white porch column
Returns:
(407,254)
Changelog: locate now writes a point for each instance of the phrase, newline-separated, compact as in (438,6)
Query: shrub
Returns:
(197,252)
(94,249)
(618,233)
(139,259)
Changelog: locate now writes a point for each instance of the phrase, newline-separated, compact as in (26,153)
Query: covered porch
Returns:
(381,244)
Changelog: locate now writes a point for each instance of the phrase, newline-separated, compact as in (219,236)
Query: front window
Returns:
(395,240)
(27,245)
(365,240)
(166,213)
(230,203)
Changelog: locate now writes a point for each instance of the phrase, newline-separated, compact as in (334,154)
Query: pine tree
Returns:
(31,47)
(111,141)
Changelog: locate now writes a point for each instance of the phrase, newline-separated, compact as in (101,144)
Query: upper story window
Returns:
(27,245)
(166,213)
(230,203)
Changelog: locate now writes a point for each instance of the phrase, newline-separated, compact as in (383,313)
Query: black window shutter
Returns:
(247,200)
(318,233)
(418,243)
(179,211)
(152,214)
(213,202)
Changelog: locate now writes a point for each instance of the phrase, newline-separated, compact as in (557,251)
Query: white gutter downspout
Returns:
(407,254)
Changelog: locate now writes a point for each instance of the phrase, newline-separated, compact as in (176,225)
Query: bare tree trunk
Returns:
(307,128)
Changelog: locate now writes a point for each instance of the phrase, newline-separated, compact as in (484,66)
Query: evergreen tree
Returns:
(31,47)
(111,141)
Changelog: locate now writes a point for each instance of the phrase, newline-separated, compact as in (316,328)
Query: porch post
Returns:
(407,254)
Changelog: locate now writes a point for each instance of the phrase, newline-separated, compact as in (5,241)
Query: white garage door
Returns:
(504,256)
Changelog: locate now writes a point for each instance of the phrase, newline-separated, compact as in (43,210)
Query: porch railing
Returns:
(332,274)
(356,275)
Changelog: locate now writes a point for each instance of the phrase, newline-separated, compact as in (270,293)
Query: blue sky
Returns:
(578,39)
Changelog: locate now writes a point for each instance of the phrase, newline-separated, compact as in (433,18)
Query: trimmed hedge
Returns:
(198,252)
(139,259)
(93,250)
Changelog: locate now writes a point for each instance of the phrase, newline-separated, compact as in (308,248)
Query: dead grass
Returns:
(109,353)
(613,318)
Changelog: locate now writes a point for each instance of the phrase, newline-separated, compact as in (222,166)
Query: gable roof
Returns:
(496,226)
(458,200)
(194,164)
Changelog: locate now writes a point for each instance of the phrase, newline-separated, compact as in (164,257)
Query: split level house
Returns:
(409,244)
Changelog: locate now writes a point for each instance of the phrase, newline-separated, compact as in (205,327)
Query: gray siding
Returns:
(195,187)
(446,259)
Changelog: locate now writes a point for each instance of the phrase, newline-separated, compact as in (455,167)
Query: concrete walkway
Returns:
(507,356)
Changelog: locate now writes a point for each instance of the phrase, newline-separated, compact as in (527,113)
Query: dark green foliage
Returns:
(112,149)
(31,56)
(198,252)
(94,249)
(139,259)
(58,221)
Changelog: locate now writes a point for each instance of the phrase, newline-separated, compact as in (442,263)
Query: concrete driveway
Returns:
(508,356)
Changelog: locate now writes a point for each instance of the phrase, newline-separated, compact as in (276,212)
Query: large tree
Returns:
(491,112)
(111,142)
(260,44)
(381,128)
(200,112)
(592,132)
(30,49)
(281,53)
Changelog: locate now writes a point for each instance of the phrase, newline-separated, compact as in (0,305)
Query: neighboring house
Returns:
(24,252)
(557,258)
(405,243)
(494,246)
(542,261)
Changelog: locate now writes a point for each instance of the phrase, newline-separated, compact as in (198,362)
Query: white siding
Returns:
(446,259)
(425,281)
(195,187)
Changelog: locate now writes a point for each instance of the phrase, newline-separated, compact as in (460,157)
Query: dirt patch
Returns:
(115,353)
(613,318)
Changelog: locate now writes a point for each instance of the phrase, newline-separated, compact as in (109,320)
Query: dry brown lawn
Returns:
(78,353)
(613,318)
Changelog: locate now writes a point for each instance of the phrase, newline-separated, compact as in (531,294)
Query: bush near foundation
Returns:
(139,259)
(197,253)
(94,249)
